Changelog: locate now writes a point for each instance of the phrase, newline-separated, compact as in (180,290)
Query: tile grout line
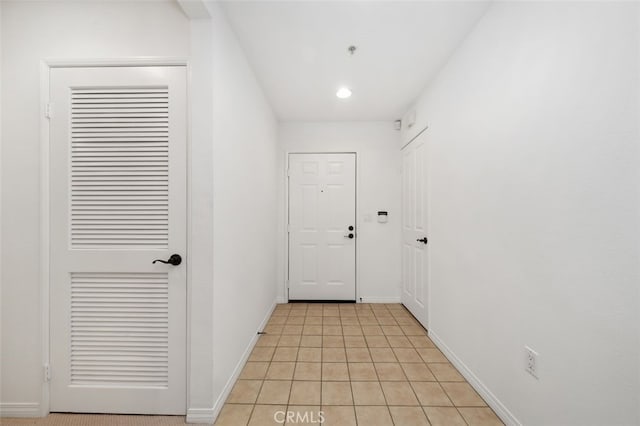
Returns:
(383,394)
(295,367)
(353,399)
(321,356)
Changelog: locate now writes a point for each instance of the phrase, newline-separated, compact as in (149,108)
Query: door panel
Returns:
(118,201)
(321,208)
(415,265)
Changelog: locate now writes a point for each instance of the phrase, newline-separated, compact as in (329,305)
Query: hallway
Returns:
(251,212)
(365,364)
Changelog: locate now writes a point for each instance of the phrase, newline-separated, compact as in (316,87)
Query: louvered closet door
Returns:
(118,201)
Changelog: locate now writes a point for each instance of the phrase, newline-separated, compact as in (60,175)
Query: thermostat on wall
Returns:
(383,217)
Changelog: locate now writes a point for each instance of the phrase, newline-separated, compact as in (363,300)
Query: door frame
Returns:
(45,262)
(286,219)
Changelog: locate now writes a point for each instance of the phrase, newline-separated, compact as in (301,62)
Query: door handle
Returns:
(349,236)
(174,259)
(423,240)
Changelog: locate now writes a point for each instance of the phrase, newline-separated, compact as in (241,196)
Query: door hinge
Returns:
(288,172)
(47,372)
(47,110)
(288,228)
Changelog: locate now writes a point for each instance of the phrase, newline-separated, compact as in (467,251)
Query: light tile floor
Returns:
(350,364)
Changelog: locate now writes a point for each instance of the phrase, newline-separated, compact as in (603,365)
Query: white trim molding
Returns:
(501,410)
(45,70)
(217,406)
(141,61)
(201,415)
(366,299)
(19,409)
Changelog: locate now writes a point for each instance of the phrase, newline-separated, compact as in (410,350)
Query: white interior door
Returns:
(118,201)
(414,228)
(322,215)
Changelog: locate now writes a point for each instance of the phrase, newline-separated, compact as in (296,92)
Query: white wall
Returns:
(534,209)
(233,175)
(200,296)
(32,31)
(1,136)
(378,188)
(245,184)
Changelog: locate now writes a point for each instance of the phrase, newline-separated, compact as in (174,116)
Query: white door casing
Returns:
(322,207)
(118,202)
(415,255)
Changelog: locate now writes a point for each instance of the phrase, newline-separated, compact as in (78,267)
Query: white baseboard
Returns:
(200,415)
(281,299)
(236,372)
(20,409)
(501,410)
(379,300)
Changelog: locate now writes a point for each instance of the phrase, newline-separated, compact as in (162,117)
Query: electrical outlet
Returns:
(531,361)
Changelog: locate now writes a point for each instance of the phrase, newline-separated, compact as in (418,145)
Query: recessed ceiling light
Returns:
(343,93)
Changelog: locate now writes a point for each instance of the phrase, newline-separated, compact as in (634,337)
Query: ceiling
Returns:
(299,51)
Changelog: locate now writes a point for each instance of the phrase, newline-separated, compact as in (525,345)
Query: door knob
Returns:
(349,236)
(423,240)
(351,228)
(174,259)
